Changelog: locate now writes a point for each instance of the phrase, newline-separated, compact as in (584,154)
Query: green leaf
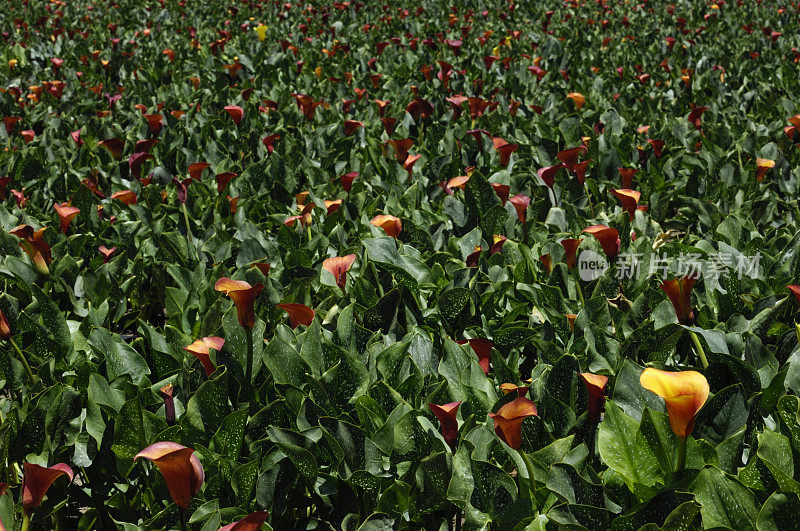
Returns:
(623,448)
(724,501)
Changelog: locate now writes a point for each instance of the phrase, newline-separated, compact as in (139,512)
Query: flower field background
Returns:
(390,265)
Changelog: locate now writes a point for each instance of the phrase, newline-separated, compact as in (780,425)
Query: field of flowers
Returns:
(313,264)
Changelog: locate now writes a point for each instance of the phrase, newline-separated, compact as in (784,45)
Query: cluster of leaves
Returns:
(181,174)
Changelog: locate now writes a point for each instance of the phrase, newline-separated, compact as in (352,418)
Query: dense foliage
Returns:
(327,264)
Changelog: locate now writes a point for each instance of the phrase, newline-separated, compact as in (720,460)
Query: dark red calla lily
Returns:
(338,267)
(299,314)
(347,180)
(474,256)
(482,348)
(166,393)
(629,200)
(695,115)
(547,262)
(595,387)
(626,174)
(113,146)
(223,179)
(5,327)
(497,245)
(144,146)
(235,112)
(4,182)
(200,350)
(196,169)
(253,522)
(795,289)
(34,246)
(504,150)
(36,480)
(135,162)
(571,250)
(508,420)
(569,157)
(580,170)
(502,191)
(154,123)
(680,294)
(269,142)
(401,148)
(66,214)
(350,126)
(180,468)
(608,238)
(548,174)
(447,414)
(521,203)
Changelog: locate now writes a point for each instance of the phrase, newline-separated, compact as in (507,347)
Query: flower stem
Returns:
(188,228)
(529,468)
(681,454)
(248,369)
(578,287)
(182,514)
(22,360)
(699,349)
(26,522)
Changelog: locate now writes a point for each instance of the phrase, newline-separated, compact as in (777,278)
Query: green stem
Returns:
(22,360)
(26,522)
(589,199)
(248,369)
(578,287)
(182,514)
(529,468)
(188,227)
(699,348)
(681,454)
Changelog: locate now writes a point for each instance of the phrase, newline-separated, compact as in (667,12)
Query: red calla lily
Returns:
(571,250)
(504,150)
(626,174)
(762,167)
(795,289)
(244,296)
(338,267)
(548,174)
(127,197)
(253,522)
(608,238)
(223,179)
(106,253)
(482,348)
(66,214)
(235,112)
(36,480)
(299,314)
(113,146)
(595,384)
(5,327)
(196,169)
(180,468)
(447,419)
(521,203)
(629,200)
(497,245)
(347,180)
(680,294)
(502,191)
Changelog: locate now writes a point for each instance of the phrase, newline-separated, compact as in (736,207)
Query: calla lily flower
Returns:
(5,328)
(684,393)
(253,522)
(504,150)
(474,256)
(4,182)
(390,224)
(482,348)
(127,197)
(548,174)
(154,123)
(135,162)
(695,115)
(447,418)
(36,480)
(350,126)
(509,388)
(166,393)
(299,314)
(269,142)
(580,170)
(34,246)
(680,294)
(66,213)
(502,191)
(608,238)
(569,157)
(629,200)
(571,320)
(408,165)
(223,179)
(180,468)
(332,206)
(244,296)
(795,289)
(571,249)
(196,169)
(497,245)
(577,98)
(508,420)
(106,253)
(521,203)
(347,180)
(626,174)
(200,350)
(762,167)
(401,148)
(547,262)
(338,267)
(236,113)
(595,384)
(114,147)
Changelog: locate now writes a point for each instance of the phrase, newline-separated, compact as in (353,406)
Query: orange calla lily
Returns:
(762,167)
(508,420)
(34,246)
(244,296)
(299,314)
(200,350)
(338,267)
(253,522)
(595,384)
(180,468)
(390,224)
(447,418)
(65,215)
(684,393)
(608,238)
(577,98)
(36,480)
(508,388)
(127,197)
